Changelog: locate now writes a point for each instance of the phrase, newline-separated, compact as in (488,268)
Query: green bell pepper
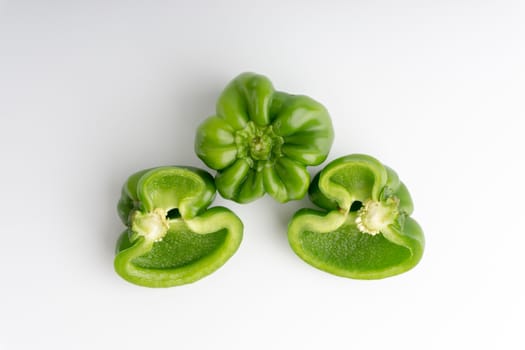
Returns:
(261,140)
(171,237)
(365,230)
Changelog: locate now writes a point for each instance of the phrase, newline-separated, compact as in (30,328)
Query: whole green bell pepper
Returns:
(365,230)
(171,237)
(261,140)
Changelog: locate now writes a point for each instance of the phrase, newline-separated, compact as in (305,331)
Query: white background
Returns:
(93,91)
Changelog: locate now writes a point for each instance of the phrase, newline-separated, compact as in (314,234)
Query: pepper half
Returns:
(261,140)
(171,237)
(365,230)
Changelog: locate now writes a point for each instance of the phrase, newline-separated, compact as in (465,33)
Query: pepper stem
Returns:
(152,226)
(375,216)
(258,143)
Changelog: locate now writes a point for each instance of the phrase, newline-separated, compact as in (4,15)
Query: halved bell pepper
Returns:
(261,140)
(365,230)
(171,237)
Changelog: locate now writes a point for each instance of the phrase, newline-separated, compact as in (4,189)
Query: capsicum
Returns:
(364,229)
(172,237)
(261,140)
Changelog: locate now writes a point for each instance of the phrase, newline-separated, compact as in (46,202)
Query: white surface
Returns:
(93,91)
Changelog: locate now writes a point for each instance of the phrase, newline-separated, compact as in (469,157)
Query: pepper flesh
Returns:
(364,230)
(261,140)
(172,238)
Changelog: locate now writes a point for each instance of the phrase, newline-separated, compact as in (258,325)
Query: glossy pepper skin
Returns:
(365,230)
(261,140)
(172,238)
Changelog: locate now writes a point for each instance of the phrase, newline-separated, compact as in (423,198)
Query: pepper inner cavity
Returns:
(356,205)
(173,214)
